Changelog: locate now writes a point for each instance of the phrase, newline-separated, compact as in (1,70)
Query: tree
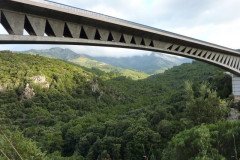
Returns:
(165,128)
(192,144)
(14,146)
(213,141)
(52,142)
(204,106)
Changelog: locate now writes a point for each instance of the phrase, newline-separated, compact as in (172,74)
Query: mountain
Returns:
(85,61)
(150,64)
(59,53)
(51,109)
(90,63)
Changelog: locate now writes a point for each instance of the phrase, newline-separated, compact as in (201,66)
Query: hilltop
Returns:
(59,53)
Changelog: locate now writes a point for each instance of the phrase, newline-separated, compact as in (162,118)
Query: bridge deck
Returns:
(169,36)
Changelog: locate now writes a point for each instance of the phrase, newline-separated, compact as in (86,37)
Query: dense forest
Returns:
(52,109)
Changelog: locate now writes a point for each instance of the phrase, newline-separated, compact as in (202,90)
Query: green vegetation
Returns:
(86,62)
(13,143)
(214,141)
(204,106)
(87,114)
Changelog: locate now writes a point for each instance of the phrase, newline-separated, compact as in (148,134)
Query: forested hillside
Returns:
(90,63)
(86,61)
(50,109)
(135,67)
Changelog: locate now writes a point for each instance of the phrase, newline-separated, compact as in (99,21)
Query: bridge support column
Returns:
(236,87)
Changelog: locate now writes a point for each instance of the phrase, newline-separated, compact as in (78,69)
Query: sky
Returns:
(215,21)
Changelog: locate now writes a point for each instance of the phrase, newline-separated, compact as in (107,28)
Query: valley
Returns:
(65,111)
(136,67)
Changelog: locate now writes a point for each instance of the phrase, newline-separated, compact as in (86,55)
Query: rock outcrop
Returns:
(40,80)
(27,93)
(95,87)
(233,115)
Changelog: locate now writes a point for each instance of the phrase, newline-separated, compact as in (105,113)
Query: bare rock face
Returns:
(95,87)
(40,80)
(233,115)
(27,93)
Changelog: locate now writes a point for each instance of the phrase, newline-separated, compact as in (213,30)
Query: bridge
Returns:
(49,22)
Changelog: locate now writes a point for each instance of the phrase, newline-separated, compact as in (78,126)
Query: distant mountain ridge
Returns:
(59,53)
(149,64)
(91,63)
(85,61)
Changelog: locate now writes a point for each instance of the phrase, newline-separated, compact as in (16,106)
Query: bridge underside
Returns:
(50,25)
(45,30)
(229,63)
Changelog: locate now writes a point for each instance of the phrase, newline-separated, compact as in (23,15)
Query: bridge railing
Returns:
(83,11)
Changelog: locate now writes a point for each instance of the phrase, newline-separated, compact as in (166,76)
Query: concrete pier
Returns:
(236,87)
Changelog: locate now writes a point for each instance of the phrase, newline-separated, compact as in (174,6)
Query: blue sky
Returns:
(215,21)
